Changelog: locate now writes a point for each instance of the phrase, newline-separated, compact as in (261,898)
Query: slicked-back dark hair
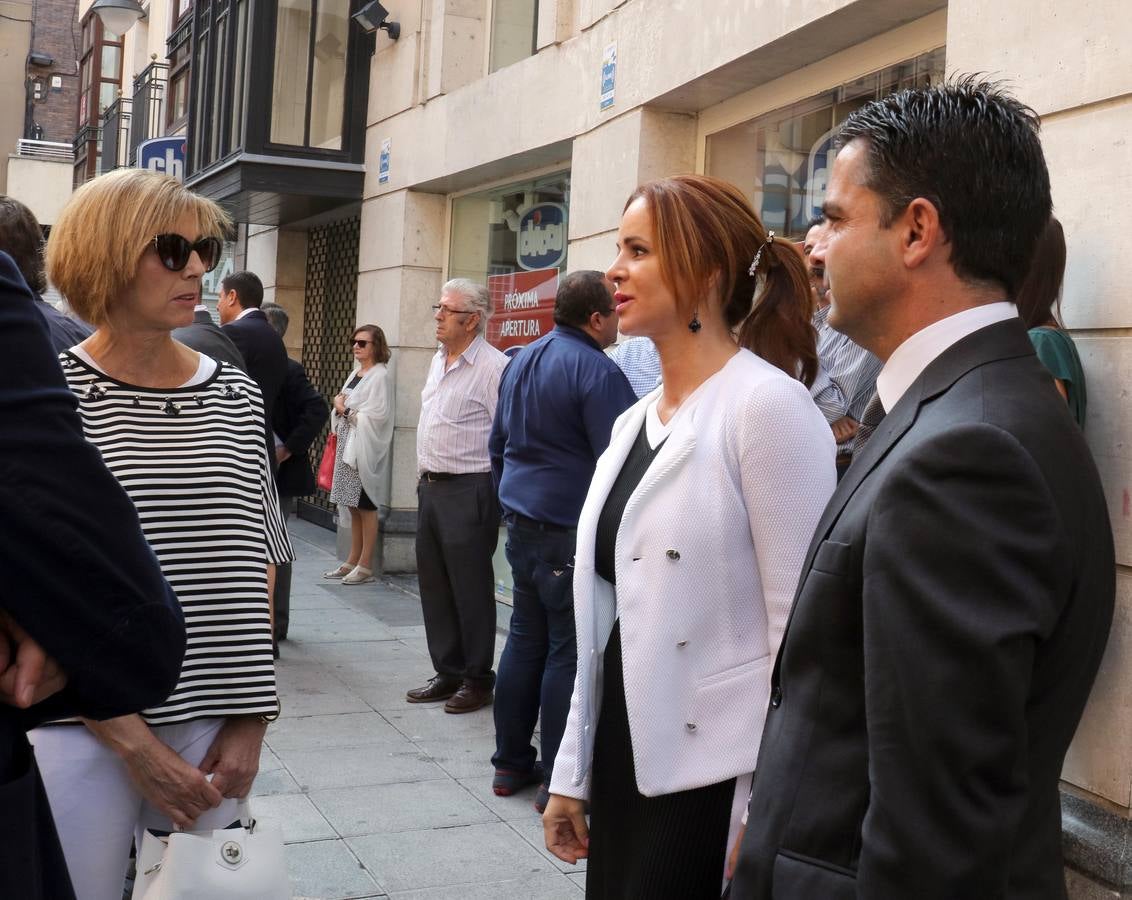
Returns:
(973,152)
(580,295)
(22,239)
(248,288)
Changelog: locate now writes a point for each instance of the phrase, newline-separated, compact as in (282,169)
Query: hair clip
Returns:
(759,253)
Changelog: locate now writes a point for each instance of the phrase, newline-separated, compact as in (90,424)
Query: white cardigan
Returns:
(707,559)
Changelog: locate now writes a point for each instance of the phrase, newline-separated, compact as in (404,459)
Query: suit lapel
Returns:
(1003,340)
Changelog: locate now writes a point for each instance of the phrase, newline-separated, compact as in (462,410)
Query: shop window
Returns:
(514,31)
(514,240)
(782,159)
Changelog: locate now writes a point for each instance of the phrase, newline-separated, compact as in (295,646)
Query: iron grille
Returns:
(329,317)
(148,102)
(115,134)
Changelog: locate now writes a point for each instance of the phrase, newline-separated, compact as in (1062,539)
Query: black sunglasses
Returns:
(174,251)
(360,343)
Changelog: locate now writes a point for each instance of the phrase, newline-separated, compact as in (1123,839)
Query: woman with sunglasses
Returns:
(363,421)
(183,434)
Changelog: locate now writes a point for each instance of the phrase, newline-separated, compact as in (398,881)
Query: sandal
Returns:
(341,572)
(359,575)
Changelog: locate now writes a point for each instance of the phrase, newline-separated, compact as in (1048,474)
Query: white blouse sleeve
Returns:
(788,472)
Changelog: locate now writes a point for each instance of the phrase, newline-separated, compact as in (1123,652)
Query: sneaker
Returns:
(507,781)
(341,572)
(359,575)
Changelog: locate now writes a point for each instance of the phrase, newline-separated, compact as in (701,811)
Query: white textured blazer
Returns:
(707,560)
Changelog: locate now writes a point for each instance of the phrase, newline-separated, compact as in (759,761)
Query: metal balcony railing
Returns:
(148,107)
(48,150)
(116,135)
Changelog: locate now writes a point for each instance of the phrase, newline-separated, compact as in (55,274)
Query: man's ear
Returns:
(922,235)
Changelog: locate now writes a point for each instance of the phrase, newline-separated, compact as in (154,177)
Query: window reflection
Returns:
(289,92)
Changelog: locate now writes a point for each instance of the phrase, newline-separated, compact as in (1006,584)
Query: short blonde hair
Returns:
(97,242)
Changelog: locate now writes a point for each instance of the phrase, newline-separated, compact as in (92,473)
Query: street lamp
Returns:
(118,16)
(373,16)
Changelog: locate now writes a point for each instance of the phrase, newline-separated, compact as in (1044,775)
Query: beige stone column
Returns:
(609,162)
(400,264)
(1067,63)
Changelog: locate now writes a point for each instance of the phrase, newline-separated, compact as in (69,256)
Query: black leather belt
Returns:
(525,522)
(448,476)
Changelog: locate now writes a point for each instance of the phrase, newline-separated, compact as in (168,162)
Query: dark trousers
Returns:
(540,657)
(282,596)
(457,530)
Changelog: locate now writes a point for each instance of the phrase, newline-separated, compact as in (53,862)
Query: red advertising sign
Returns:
(523,308)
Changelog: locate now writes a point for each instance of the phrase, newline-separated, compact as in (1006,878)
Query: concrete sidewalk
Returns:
(377,797)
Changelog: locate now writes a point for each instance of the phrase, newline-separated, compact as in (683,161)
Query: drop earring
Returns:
(694,326)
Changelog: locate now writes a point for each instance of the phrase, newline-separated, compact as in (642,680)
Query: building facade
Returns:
(499,139)
(39,93)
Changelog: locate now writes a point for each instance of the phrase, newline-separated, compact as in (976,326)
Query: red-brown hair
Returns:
(707,231)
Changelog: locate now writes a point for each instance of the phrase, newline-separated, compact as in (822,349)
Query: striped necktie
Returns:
(870,419)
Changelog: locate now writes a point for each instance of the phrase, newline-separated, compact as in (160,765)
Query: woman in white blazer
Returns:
(689,546)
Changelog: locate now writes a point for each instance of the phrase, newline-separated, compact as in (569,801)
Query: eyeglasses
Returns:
(446,311)
(174,251)
(360,343)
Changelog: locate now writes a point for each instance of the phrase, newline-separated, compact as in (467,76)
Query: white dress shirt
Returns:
(457,409)
(919,351)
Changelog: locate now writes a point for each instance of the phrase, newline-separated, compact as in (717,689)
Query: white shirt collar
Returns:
(919,351)
(468,354)
(200,307)
(244,312)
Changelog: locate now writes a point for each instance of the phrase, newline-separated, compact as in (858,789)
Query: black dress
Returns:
(669,847)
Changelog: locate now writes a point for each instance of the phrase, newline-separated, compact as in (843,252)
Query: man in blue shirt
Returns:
(558,399)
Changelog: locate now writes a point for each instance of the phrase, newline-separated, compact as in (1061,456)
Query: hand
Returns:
(179,790)
(733,856)
(233,758)
(27,674)
(340,404)
(282,454)
(844,429)
(565,829)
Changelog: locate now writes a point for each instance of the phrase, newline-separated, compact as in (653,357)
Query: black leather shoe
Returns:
(439,687)
(469,698)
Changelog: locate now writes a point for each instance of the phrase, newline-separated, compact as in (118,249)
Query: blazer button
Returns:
(776,697)
(673,555)
(681,643)
(691,726)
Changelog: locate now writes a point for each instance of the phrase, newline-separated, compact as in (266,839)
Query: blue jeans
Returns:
(540,657)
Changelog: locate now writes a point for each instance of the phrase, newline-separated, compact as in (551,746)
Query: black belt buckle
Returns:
(435,476)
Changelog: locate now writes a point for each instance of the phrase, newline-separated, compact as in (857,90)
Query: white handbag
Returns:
(244,862)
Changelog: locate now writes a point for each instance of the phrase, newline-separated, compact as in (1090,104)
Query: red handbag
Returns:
(326,467)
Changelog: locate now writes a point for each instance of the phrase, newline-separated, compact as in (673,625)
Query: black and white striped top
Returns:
(193,461)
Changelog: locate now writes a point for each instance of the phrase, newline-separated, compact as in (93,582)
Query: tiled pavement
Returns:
(377,797)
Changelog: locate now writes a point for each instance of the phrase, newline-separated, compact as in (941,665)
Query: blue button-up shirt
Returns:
(558,399)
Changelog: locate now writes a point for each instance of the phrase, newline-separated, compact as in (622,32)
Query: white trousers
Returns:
(97,808)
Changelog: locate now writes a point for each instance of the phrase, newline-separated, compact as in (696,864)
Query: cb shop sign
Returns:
(542,237)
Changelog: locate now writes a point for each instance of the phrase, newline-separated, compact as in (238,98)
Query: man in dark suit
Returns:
(206,337)
(299,414)
(101,636)
(955,602)
(242,320)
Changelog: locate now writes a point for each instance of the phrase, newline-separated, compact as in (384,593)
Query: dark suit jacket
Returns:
(107,615)
(949,622)
(63,330)
(300,412)
(205,337)
(266,357)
